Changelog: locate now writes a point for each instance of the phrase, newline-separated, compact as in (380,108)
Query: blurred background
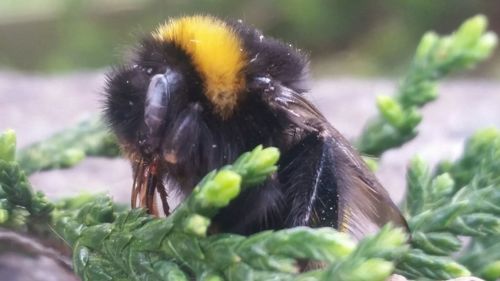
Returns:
(343,36)
(54,53)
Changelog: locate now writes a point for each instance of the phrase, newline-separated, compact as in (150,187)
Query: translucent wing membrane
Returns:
(362,205)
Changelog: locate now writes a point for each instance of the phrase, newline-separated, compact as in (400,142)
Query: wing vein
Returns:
(317,179)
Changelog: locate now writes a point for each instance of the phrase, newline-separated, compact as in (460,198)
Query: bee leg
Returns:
(150,195)
(138,185)
(135,185)
(163,196)
(143,187)
(307,174)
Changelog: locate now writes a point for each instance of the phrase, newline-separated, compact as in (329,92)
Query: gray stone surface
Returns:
(38,106)
(14,267)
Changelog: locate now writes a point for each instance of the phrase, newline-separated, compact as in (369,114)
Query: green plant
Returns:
(68,148)
(435,58)
(458,199)
(445,205)
(109,244)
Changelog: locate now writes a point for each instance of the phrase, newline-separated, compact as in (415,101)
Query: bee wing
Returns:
(363,204)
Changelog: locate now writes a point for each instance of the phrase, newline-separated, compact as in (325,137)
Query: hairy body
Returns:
(200,92)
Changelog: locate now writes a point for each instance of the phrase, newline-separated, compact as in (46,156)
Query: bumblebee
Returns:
(199,92)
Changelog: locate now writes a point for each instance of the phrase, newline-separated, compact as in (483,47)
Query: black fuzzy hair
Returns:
(194,139)
(271,57)
(126,85)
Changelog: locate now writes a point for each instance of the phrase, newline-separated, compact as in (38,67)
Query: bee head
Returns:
(192,62)
(190,68)
(191,98)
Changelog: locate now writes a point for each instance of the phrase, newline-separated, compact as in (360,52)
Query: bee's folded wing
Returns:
(363,204)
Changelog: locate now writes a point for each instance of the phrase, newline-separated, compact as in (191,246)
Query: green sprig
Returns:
(68,148)
(20,207)
(135,246)
(109,244)
(439,211)
(436,57)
